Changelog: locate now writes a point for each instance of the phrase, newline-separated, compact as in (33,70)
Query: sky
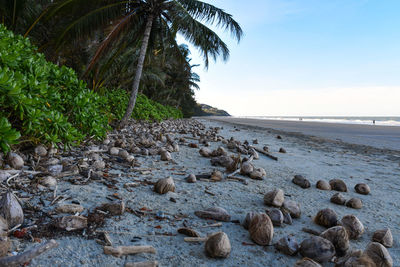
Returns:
(307,58)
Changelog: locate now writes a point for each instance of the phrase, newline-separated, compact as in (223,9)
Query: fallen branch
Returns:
(127,250)
(212,225)
(27,256)
(142,264)
(195,239)
(264,153)
(235,178)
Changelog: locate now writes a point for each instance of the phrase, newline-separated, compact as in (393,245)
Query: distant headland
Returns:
(206,110)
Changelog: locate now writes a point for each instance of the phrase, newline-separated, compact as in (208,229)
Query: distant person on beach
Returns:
(373,121)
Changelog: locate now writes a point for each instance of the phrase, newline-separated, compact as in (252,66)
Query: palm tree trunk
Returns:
(138,74)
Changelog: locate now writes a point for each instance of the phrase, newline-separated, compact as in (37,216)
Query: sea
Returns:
(381,121)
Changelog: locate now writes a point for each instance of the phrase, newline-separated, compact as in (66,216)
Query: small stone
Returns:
(247,219)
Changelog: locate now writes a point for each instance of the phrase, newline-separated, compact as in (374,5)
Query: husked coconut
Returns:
(218,245)
(261,229)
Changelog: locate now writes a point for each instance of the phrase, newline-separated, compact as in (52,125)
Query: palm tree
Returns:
(149,18)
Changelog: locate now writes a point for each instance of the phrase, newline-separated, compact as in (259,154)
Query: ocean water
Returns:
(382,121)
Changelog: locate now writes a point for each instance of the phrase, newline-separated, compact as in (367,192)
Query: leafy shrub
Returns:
(8,136)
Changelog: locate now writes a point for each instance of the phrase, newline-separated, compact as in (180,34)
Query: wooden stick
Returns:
(212,225)
(311,231)
(235,178)
(142,264)
(27,256)
(195,239)
(264,153)
(127,250)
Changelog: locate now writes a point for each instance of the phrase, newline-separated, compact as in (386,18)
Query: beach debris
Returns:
(257,174)
(317,248)
(113,208)
(247,168)
(274,198)
(384,237)
(326,218)
(71,223)
(287,245)
(15,160)
(339,238)
(193,145)
(354,258)
(191,178)
(353,226)
(338,185)
(282,150)
(301,181)
(127,250)
(55,169)
(40,151)
(323,185)
(214,213)
(265,152)
(165,155)
(27,256)
(216,176)
(247,219)
(338,198)
(48,181)
(69,208)
(292,207)
(218,245)
(5,242)
(354,203)
(276,216)
(279,137)
(142,264)
(205,152)
(362,189)
(98,165)
(114,151)
(165,185)
(261,229)
(11,210)
(307,262)
(378,254)
(287,219)
(188,232)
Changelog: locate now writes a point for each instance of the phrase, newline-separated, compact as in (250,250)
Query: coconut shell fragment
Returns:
(362,189)
(72,223)
(338,199)
(353,225)
(354,203)
(114,208)
(339,238)
(317,248)
(301,181)
(378,254)
(11,210)
(307,262)
(261,229)
(338,185)
(384,237)
(215,213)
(274,198)
(165,185)
(218,245)
(287,245)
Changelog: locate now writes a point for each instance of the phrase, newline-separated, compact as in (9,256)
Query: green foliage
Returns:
(145,109)
(46,103)
(8,135)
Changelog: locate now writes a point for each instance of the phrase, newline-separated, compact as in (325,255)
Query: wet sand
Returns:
(387,137)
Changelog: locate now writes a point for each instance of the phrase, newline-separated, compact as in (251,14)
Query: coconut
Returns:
(323,185)
(246,168)
(353,226)
(282,150)
(48,181)
(339,238)
(191,178)
(287,219)
(362,189)
(214,213)
(317,248)
(326,218)
(378,254)
(11,210)
(247,219)
(338,199)
(338,185)
(261,229)
(15,160)
(218,245)
(274,198)
(292,207)
(123,153)
(114,208)
(354,259)
(384,237)
(257,174)
(114,151)
(217,176)
(287,245)
(165,185)
(301,181)
(205,152)
(41,151)
(354,203)
(165,156)
(307,262)
(276,216)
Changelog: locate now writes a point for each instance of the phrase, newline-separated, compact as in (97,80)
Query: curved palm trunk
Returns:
(138,74)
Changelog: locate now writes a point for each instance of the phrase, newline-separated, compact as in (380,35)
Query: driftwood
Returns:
(127,250)
(311,231)
(27,256)
(195,239)
(264,153)
(212,225)
(235,178)
(142,264)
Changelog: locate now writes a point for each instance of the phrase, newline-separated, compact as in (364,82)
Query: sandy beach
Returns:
(312,158)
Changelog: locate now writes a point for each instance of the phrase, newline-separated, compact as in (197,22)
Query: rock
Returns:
(353,226)
(205,152)
(301,181)
(165,185)
(323,185)
(287,245)
(69,208)
(307,262)
(114,208)
(317,248)
(247,219)
(362,189)
(123,153)
(218,245)
(55,169)
(338,199)
(292,207)
(214,213)
(261,229)
(338,185)
(384,237)
(191,178)
(339,238)
(71,223)
(354,203)
(165,155)
(326,218)
(11,210)
(282,150)
(276,216)
(114,151)
(41,151)
(274,198)
(378,254)
(15,161)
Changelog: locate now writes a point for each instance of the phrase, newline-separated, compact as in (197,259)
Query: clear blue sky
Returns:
(308,57)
